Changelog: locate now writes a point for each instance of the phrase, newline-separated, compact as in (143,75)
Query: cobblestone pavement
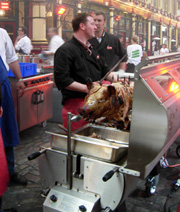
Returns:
(28,198)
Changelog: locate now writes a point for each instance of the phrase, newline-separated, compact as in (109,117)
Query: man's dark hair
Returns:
(78,19)
(24,29)
(119,36)
(100,13)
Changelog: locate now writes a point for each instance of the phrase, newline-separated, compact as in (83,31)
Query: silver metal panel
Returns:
(27,112)
(30,114)
(149,126)
(110,191)
(57,106)
(70,200)
(52,168)
(45,109)
(155,123)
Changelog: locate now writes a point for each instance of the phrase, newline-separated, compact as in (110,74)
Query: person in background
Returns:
(4,175)
(108,45)
(75,62)
(164,50)
(55,42)
(156,50)
(173,47)
(23,43)
(134,52)
(8,121)
(121,39)
(178,48)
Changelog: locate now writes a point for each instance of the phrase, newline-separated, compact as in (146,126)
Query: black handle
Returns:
(108,175)
(34,155)
(35,98)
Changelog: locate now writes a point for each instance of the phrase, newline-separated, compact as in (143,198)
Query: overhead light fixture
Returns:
(49,14)
(4,5)
(60,10)
(2,12)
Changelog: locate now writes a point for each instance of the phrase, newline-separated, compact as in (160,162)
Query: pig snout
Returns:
(82,111)
(85,112)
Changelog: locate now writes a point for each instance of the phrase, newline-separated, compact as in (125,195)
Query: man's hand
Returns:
(20,88)
(14,66)
(19,37)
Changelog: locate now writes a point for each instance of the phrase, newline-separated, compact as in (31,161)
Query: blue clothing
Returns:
(0,204)
(10,159)
(8,121)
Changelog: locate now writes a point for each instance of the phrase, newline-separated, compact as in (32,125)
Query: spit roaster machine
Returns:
(97,174)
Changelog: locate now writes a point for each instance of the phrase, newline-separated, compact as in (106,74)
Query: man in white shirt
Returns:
(8,122)
(164,50)
(135,54)
(23,43)
(55,42)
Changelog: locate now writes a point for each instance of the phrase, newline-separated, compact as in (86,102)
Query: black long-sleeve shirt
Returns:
(72,63)
(110,48)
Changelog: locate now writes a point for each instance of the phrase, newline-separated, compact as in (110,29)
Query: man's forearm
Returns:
(14,66)
(48,53)
(76,86)
(122,66)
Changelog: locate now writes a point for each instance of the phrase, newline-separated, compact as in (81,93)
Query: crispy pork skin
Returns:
(113,102)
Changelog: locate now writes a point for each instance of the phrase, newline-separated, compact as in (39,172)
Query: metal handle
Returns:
(36,154)
(109,174)
(74,118)
(41,97)
(69,156)
(38,97)
(165,56)
(35,98)
(122,170)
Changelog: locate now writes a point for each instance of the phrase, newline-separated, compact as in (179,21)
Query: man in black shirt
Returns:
(108,45)
(74,62)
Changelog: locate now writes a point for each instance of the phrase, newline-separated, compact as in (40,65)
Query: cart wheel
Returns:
(178,150)
(44,123)
(151,184)
(150,190)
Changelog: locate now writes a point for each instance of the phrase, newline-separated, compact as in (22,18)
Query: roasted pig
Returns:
(113,102)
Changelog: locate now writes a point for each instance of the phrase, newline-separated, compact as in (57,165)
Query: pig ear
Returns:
(111,90)
(89,83)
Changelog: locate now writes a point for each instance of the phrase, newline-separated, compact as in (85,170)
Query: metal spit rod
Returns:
(69,157)
(74,118)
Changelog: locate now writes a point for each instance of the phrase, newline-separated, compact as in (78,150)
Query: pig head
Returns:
(110,101)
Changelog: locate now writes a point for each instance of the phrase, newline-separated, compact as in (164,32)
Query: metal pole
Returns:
(69,157)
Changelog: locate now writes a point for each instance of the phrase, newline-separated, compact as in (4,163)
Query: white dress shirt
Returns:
(24,44)
(7,51)
(55,42)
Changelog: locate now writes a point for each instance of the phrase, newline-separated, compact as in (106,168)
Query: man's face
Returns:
(20,32)
(99,22)
(121,39)
(50,33)
(90,27)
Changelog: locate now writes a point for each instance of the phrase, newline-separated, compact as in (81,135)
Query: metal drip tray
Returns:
(104,133)
(111,147)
